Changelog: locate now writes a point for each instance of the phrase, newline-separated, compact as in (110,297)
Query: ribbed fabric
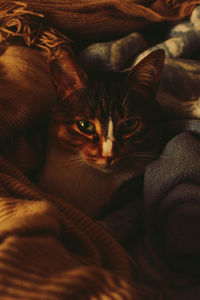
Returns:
(89,20)
(48,249)
(46,245)
(26,89)
(102,19)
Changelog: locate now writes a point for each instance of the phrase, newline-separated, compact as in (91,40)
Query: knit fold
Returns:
(88,20)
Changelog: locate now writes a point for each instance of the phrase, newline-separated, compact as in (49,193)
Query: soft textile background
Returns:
(45,243)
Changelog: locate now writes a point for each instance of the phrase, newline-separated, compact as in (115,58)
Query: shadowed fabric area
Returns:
(99,19)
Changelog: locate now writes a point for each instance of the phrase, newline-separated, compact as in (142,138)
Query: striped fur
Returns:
(123,118)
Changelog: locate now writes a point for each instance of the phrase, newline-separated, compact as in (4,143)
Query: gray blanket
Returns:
(168,254)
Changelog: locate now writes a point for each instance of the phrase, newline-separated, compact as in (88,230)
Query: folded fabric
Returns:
(29,237)
(49,250)
(184,39)
(113,55)
(103,19)
(178,91)
(172,202)
(26,89)
(97,20)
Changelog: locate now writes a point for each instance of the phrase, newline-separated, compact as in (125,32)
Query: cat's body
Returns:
(83,186)
(102,135)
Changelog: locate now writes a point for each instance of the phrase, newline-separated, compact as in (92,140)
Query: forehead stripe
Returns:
(110,130)
(107,146)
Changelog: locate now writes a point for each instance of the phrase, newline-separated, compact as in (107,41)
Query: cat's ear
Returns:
(67,75)
(145,76)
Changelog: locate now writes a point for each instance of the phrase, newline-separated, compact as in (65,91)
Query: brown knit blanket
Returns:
(48,249)
(106,19)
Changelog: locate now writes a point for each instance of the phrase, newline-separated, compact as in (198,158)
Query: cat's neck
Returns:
(85,187)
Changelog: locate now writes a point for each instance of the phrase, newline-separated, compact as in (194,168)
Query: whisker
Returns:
(77,162)
(125,98)
(81,164)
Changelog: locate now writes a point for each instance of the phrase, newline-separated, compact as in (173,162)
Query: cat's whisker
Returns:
(125,99)
(76,162)
(81,163)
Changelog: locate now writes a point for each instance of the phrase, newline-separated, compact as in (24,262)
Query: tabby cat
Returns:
(103,134)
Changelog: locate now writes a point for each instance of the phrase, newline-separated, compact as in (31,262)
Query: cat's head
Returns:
(112,124)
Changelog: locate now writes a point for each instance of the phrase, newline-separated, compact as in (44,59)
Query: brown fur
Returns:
(124,117)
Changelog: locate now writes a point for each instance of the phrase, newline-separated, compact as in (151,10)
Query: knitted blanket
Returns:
(105,19)
(48,249)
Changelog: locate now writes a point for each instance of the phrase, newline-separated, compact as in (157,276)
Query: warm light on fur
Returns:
(86,167)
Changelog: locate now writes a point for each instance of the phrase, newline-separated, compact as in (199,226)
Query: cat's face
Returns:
(113,123)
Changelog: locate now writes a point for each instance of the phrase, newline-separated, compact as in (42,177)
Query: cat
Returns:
(103,134)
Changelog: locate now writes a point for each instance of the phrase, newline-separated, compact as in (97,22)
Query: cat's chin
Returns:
(103,169)
(110,169)
(106,169)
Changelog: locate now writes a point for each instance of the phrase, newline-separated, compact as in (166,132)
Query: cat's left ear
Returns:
(145,76)
(67,75)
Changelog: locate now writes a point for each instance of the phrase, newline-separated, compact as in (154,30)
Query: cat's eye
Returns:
(86,126)
(129,126)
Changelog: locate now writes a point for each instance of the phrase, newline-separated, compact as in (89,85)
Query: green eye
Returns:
(86,126)
(129,126)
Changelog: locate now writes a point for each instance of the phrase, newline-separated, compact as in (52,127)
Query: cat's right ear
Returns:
(145,76)
(67,75)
